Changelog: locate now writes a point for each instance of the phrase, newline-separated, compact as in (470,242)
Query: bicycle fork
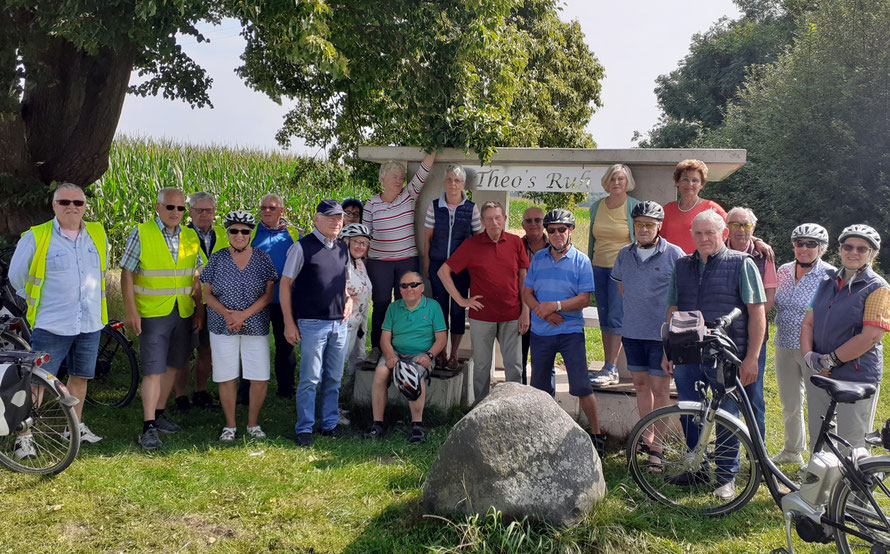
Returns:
(693,461)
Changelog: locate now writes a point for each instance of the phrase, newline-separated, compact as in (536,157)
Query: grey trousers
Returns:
(853,420)
(791,374)
(483,335)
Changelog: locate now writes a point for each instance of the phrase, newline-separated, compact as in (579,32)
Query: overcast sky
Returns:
(635,40)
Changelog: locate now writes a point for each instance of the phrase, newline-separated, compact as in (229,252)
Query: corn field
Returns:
(139,168)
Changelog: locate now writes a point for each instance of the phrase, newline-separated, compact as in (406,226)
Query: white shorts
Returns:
(251,351)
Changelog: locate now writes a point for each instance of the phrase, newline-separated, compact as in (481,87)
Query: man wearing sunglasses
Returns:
(741,223)
(160,288)
(534,241)
(59,269)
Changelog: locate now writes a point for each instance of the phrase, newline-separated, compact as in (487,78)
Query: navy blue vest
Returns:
(448,234)
(716,291)
(319,291)
(837,317)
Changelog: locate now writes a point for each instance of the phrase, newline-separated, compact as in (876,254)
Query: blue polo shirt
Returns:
(561,279)
(414,331)
(276,243)
(644,288)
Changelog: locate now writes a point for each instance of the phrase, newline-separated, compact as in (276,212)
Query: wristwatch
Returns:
(558,305)
(430,354)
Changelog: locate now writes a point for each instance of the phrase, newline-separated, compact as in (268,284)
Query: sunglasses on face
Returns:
(736,226)
(645,225)
(806,244)
(269,208)
(236,231)
(560,230)
(531,220)
(409,285)
(171,207)
(859,249)
(67,203)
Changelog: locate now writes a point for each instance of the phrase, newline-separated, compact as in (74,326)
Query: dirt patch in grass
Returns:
(206,531)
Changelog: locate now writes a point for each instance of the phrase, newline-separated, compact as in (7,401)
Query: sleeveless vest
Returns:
(319,291)
(159,282)
(837,317)
(448,234)
(716,291)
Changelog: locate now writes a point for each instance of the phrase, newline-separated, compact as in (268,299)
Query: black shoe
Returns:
(304,439)
(599,443)
(182,403)
(377,431)
(335,432)
(418,433)
(690,478)
(202,399)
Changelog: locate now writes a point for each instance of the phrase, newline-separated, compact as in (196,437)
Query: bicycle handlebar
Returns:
(724,321)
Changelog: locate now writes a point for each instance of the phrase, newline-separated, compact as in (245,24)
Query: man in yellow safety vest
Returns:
(159,283)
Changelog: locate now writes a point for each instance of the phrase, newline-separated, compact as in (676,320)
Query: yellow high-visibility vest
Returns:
(222,239)
(37,271)
(159,283)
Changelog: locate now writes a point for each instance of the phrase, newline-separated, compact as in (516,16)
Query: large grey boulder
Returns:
(519,452)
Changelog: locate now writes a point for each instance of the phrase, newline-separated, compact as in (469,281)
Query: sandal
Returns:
(255,432)
(418,433)
(228,434)
(452,363)
(656,462)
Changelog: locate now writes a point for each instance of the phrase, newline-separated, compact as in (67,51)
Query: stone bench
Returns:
(445,389)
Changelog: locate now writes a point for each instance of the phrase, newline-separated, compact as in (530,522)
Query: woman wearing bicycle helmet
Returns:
(238,286)
(358,286)
(797,284)
(841,333)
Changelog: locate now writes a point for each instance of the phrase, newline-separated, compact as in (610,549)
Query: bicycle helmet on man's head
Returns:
(864,232)
(648,209)
(239,217)
(810,231)
(559,216)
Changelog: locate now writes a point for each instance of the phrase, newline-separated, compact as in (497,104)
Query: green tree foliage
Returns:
(816,125)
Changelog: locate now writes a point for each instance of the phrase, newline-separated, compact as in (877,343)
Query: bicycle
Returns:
(843,496)
(50,417)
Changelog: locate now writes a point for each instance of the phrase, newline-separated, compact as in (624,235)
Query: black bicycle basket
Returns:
(683,337)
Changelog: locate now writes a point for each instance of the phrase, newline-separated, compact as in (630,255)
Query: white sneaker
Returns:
(85,434)
(603,377)
(25,447)
(726,491)
(786,457)
(344,420)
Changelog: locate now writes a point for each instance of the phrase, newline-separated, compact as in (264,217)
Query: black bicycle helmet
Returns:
(236,217)
(810,231)
(559,216)
(864,232)
(407,376)
(355,230)
(648,209)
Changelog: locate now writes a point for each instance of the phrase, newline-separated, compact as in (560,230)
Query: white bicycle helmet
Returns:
(239,217)
(810,231)
(864,232)
(407,376)
(355,230)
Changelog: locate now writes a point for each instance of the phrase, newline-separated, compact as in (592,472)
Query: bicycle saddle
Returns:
(845,393)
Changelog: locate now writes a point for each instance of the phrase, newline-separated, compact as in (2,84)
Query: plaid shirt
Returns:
(133,247)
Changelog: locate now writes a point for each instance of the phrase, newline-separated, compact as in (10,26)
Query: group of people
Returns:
(211,293)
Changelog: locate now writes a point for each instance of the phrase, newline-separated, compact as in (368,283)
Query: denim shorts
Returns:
(609,306)
(79,351)
(644,356)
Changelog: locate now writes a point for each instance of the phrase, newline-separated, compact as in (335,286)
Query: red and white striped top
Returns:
(392,223)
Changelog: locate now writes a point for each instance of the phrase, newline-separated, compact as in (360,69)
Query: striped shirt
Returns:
(392,223)
(430,221)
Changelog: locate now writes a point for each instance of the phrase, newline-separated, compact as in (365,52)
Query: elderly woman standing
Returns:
(450,220)
(239,282)
(841,334)
(358,286)
(611,229)
(690,176)
(390,218)
(797,284)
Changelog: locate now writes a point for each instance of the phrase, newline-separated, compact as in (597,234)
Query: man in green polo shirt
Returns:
(413,326)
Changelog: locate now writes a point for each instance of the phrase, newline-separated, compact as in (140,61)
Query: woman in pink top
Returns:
(690,177)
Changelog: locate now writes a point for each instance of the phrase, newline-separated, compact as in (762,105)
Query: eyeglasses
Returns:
(354,213)
(414,285)
(645,225)
(362,243)
(66,203)
(859,249)
(269,208)
(201,210)
(806,244)
(735,226)
(560,230)
(171,207)
(531,220)
(236,231)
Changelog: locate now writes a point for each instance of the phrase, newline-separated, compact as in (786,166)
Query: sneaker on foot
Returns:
(344,420)
(603,377)
(149,439)
(164,425)
(255,432)
(334,432)
(788,457)
(304,439)
(25,447)
(726,491)
(85,434)
(377,431)
(418,433)
(182,403)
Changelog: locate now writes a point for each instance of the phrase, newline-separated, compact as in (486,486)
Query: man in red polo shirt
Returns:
(497,263)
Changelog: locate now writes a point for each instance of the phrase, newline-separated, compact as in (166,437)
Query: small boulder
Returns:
(519,452)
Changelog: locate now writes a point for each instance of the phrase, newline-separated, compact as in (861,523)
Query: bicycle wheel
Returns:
(117,371)
(854,509)
(657,460)
(54,447)
(13,341)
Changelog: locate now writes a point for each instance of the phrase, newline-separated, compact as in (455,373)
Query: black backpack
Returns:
(15,397)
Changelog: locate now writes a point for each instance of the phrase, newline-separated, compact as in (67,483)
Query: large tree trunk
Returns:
(69,113)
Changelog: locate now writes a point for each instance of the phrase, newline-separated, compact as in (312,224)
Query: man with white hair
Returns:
(59,269)
(160,288)
(714,280)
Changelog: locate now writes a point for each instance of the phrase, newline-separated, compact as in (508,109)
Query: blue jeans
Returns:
(727,448)
(322,354)
(79,351)
(755,394)
(609,306)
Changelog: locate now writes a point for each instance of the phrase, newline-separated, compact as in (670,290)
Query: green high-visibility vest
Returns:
(159,282)
(222,239)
